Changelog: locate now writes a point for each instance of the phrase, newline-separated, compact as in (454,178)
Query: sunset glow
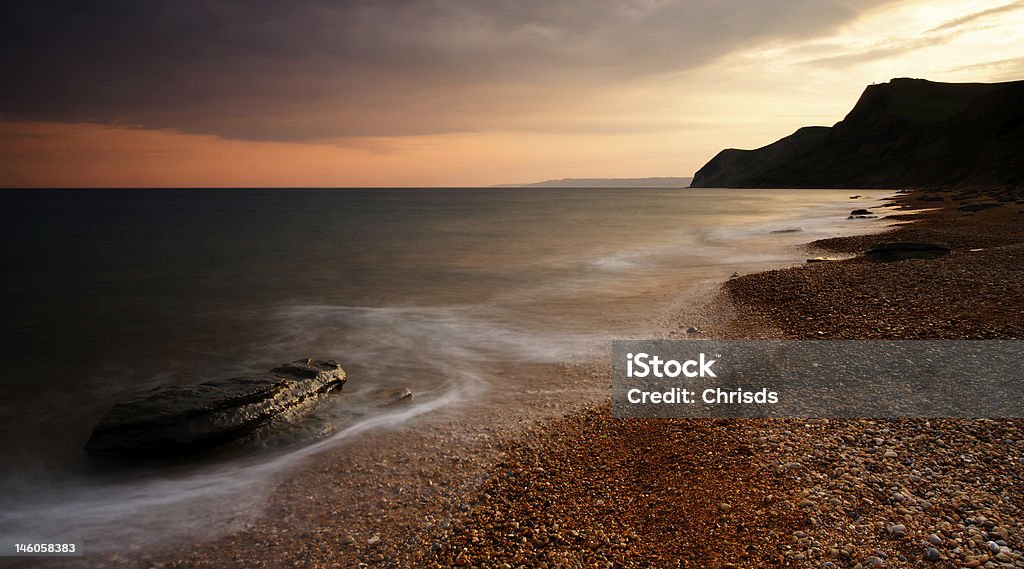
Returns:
(467,106)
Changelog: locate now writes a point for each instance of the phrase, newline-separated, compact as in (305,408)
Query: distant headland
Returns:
(907,132)
(663,182)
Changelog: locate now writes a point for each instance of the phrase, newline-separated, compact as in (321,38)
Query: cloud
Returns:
(957,22)
(319,69)
(881,51)
(1008,69)
(898,43)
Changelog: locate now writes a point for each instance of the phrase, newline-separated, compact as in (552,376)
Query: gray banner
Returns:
(32,547)
(842,378)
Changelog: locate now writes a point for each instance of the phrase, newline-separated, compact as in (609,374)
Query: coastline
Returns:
(569,486)
(753,493)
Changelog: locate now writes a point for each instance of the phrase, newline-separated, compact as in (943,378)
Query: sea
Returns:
(109,293)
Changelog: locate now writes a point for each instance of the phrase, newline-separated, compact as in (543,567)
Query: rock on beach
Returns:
(187,419)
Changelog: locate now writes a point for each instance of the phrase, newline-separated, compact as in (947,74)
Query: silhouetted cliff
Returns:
(908,132)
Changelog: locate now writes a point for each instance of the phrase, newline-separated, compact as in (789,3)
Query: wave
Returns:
(444,354)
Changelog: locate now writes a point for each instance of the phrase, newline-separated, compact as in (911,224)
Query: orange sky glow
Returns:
(666,122)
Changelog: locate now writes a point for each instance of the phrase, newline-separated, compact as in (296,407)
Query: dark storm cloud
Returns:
(312,69)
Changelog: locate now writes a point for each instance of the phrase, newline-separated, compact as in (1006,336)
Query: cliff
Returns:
(907,132)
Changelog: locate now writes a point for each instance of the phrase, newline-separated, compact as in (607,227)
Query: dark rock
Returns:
(972,207)
(899,250)
(932,555)
(397,396)
(186,419)
(789,230)
(820,259)
(854,197)
(861,212)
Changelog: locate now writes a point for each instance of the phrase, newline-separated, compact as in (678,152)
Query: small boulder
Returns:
(397,396)
(861,211)
(900,250)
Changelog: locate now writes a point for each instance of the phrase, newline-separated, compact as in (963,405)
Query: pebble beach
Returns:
(802,493)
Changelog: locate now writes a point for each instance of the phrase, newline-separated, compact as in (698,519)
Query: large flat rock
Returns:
(186,419)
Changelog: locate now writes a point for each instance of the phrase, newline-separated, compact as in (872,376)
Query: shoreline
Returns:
(834,493)
(460,498)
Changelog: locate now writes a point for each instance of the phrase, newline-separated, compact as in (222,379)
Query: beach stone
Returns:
(900,250)
(974,207)
(931,554)
(998,533)
(861,211)
(186,419)
(397,396)
(898,530)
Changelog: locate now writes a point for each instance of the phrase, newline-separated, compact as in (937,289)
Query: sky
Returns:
(318,93)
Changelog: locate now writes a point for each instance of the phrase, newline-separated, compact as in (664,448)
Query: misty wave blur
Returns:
(434,290)
(442,353)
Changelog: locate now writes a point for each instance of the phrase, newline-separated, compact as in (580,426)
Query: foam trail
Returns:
(443,343)
(154,510)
